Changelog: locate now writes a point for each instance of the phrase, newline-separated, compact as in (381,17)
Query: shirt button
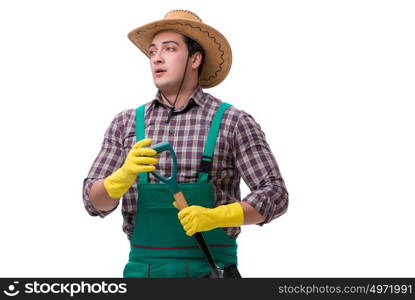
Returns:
(171,132)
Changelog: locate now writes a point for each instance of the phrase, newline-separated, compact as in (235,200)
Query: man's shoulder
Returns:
(233,116)
(129,113)
(233,111)
(124,116)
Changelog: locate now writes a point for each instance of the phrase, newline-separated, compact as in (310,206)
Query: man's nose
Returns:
(157,58)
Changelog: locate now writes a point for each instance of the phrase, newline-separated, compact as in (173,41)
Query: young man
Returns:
(215,143)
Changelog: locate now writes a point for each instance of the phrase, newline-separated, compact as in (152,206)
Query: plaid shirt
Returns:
(240,151)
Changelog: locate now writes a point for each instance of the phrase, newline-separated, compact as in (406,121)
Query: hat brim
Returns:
(218,53)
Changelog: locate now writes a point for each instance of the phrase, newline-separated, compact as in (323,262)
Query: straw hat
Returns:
(218,53)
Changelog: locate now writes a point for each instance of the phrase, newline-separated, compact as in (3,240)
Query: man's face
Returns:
(168,54)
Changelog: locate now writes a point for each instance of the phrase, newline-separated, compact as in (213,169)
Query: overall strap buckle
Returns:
(205,164)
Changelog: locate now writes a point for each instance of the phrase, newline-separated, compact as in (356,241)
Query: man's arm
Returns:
(251,215)
(113,172)
(197,218)
(99,197)
(110,157)
(259,169)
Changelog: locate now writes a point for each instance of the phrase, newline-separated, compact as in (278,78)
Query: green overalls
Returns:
(159,246)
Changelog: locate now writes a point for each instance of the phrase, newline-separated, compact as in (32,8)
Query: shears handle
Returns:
(160,147)
(170,181)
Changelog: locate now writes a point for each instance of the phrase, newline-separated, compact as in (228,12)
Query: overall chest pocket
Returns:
(158,196)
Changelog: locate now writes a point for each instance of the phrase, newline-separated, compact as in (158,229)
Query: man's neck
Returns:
(182,98)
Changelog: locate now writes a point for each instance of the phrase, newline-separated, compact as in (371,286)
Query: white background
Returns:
(330,82)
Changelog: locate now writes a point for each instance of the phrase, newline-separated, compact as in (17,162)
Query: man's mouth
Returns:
(159,72)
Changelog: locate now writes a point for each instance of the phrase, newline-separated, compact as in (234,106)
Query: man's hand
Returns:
(138,160)
(197,218)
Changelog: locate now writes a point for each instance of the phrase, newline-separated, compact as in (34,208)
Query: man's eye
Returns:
(171,48)
(151,52)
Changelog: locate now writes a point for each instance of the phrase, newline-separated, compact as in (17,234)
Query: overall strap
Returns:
(140,134)
(206,161)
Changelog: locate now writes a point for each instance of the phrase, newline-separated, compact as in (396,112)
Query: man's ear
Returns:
(196,60)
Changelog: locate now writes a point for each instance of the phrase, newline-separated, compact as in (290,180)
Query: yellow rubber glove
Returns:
(197,218)
(137,161)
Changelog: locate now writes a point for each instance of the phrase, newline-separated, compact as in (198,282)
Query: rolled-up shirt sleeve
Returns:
(110,158)
(259,169)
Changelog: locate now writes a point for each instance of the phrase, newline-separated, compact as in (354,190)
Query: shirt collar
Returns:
(197,97)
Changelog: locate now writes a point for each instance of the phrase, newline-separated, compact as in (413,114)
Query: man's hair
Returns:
(192,48)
